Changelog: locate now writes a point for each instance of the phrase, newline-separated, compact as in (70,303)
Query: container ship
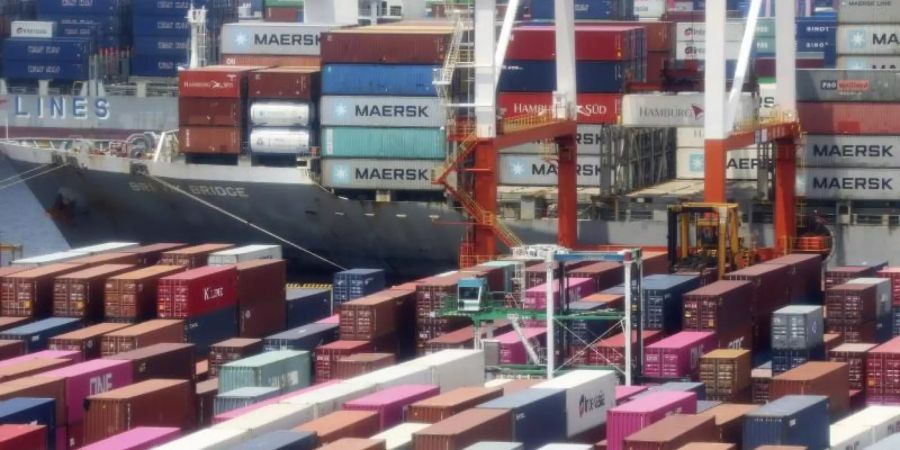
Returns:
(326,131)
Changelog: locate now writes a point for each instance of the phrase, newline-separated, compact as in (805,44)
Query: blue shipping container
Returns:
(815,29)
(591,76)
(30,410)
(538,415)
(71,7)
(36,334)
(706,405)
(305,306)
(156,66)
(160,26)
(356,283)
(306,337)
(663,307)
(791,420)
(207,329)
(53,50)
(281,440)
(161,46)
(104,24)
(586,331)
(374,79)
(784,360)
(584,9)
(163,7)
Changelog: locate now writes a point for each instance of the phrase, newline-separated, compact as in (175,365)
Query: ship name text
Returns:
(61,107)
(199,190)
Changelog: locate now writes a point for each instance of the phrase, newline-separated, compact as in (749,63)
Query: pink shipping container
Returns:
(140,438)
(592,43)
(72,355)
(250,408)
(849,117)
(512,351)
(625,393)
(624,420)
(678,356)
(391,403)
(197,291)
(536,297)
(90,378)
(335,319)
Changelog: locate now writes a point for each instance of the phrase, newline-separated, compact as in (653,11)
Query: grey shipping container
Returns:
(797,327)
(356,283)
(538,415)
(868,39)
(286,370)
(864,12)
(835,85)
(305,306)
(280,440)
(306,337)
(533,170)
(891,442)
(851,151)
(791,420)
(394,174)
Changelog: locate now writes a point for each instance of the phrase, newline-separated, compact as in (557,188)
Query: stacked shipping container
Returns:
(212,102)
(282,111)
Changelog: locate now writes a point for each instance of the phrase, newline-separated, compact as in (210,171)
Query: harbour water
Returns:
(23,220)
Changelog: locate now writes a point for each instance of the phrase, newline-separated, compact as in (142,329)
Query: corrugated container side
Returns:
(464,429)
(343,424)
(89,378)
(370,79)
(131,297)
(142,335)
(164,403)
(261,297)
(792,420)
(164,360)
(450,403)
(232,350)
(391,404)
(394,46)
(624,420)
(362,363)
(87,341)
(370,142)
(535,414)
(138,438)
(284,369)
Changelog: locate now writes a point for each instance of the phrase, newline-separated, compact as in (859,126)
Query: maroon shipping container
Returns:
(197,291)
(151,403)
(275,61)
(23,437)
(673,432)
(377,315)
(10,349)
(604,274)
(536,275)
(30,293)
(106,258)
(12,322)
(851,304)
(816,378)
(232,350)
(86,341)
(355,444)
(172,361)
(464,337)
(771,283)
(361,363)
(261,297)
(611,351)
(31,367)
(387,45)
(80,294)
(142,335)
(849,117)
(286,83)
(893,274)
(428,329)
(131,296)
(205,400)
(211,112)
(882,376)
(806,276)
(729,419)
(592,43)
(431,293)
(214,81)
(221,140)
(854,355)
(658,64)
(840,275)
(721,307)
(148,255)
(328,354)
(283,14)
(343,424)
(464,429)
(42,387)
(192,257)
(438,408)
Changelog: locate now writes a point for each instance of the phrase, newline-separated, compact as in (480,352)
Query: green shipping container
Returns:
(286,370)
(397,143)
(283,3)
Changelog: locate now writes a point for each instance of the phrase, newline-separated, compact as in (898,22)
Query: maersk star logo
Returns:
(340,110)
(857,39)
(241,39)
(696,163)
(518,169)
(341,174)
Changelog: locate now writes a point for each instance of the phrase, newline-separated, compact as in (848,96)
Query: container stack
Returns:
(860,310)
(829,379)
(282,112)
(55,58)
(131,297)
(678,356)
(663,300)
(893,274)
(430,296)
(283,10)
(256,44)
(722,308)
(854,355)
(726,374)
(585,10)
(206,299)
(382,122)
(382,319)
(864,33)
(81,294)
(796,337)
(772,290)
(882,386)
(161,39)
(355,283)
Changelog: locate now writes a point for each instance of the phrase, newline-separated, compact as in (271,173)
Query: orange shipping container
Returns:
(343,424)
(673,432)
(438,408)
(830,379)
(86,340)
(151,403)
(141,335)
(464,429)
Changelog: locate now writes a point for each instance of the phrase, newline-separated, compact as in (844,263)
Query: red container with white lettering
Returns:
(215,81)
(593,109)
(195,292)
(89,378)
(18,437)
(592,43)
(849,117)
(678,356)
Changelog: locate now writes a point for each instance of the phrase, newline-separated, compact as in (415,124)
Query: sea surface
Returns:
(22,219)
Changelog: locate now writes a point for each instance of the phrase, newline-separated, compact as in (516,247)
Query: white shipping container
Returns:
(767,106)
(857,11)
(400,437)
(32,29)
(245,253)
(849,436)
(50,258)
(649,9)
(882,292)
(696,50)
(383,111)
(883,420)
(451,369)
(394,174)
(588,138)
(589,395)
(667,110)
(497,382)
(567,447)
(851,151)
(274,417)
(331,398)
(279,141)
(848,183)
(273,38)
(868,39)
(533,170)
(741,164)
(394,376)
(689,137)
(868,62)
(106,247)
(208,439)
(280,114)
(696,31)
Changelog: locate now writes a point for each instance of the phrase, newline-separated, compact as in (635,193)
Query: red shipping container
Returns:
(391,403)
(30,293)
(387,45)
(283,14)
(377,315)
(89,378)
(659,34)
(674,431)
(596,109)
(678,356)
(193,256)
(166,360)
(771,283)
(11,349)
(592,43)
(658,63)
(722,307)
(148,255)
(849,117)
(197,139)
(131,296)
(211,112)
(196,292)
(362,363)
(851,304)
(342,424)
(629,418)
(431,293)
(261,297)
(806,276)
(106,258)
(86,341)
(142,335)
(611,351)
(854,355)
(883,374)
(23,437)
(214,81)
(893,274)
(283,83)
(815,378)
(512,350)
(165,403)
(840,275)
(80,294)
(328,354)
(272,60)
